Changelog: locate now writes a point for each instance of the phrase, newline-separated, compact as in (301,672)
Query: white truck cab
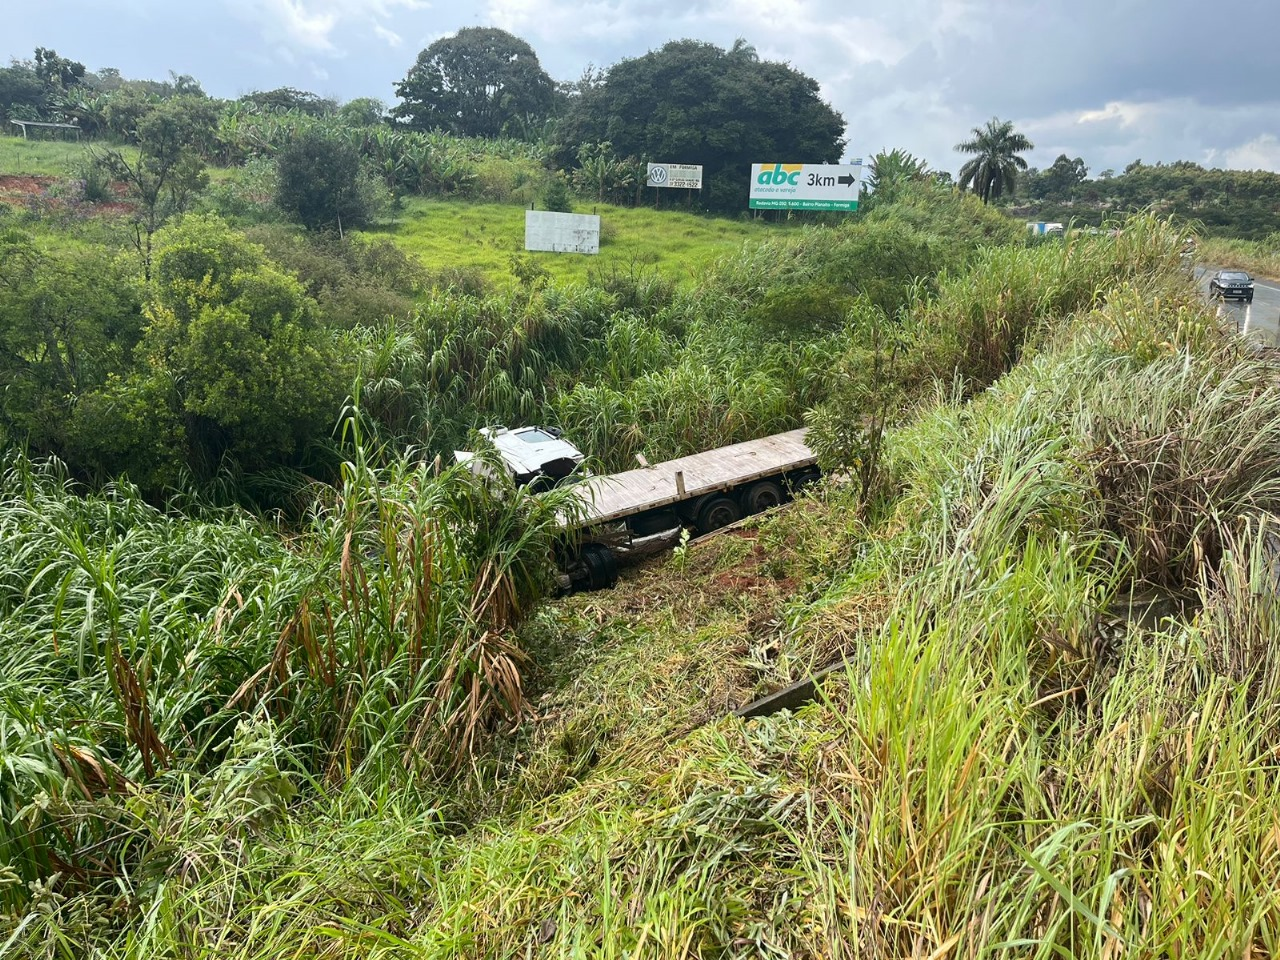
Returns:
(536,456)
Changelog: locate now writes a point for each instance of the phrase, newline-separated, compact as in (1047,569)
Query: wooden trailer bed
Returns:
(620,495)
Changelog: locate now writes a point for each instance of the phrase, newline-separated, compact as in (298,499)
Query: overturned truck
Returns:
(629,515)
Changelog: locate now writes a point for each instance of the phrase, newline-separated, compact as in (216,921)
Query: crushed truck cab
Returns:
(538,457)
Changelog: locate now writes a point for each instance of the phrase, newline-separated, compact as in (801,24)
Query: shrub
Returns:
(555,195)
(320,183)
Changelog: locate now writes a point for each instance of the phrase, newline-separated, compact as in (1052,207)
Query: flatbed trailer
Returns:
(624,512)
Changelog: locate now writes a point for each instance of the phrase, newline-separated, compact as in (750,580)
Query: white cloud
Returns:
(392,38)
(1260,153)
(311,26)
(1127,114)
(292,23)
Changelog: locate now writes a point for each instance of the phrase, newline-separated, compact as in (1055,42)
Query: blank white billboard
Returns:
(561,232)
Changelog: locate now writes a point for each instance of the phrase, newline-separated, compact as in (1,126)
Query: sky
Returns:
(1111,81)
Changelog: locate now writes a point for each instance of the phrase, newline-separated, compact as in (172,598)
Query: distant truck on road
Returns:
(634,513)
(1042,228)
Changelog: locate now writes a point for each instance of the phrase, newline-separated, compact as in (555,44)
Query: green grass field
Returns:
(52,158)
(44,158)
(448,235)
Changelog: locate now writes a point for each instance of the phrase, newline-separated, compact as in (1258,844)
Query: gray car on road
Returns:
(1231,285)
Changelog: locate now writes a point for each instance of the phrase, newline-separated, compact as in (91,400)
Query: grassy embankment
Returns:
(484,237)
(46,158)
(1260,258)
(1054,734)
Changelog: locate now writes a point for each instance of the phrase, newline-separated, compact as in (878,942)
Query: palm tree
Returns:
(888,173)
(994,168)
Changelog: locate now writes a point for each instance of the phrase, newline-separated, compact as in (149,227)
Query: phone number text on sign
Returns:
(684,175)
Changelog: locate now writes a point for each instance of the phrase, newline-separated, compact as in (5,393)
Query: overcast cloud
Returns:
(1107,80)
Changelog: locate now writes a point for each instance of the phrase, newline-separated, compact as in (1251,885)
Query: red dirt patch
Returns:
(24,186)
(25,189)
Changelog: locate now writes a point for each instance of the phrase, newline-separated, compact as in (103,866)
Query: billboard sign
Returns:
(805,186)
(561,232)
(686,175)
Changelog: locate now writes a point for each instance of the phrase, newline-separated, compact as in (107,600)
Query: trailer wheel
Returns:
(797,480)
(717,512)
(760,496)
(601,565)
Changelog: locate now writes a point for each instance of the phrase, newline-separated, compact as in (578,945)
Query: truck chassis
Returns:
(631,514)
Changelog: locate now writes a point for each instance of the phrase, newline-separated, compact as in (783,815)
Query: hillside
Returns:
(465,236)
(1053,727)
(458,238)
(281,679)
(1018,750)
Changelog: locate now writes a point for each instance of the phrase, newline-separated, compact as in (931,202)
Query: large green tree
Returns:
(994,167)
(481,82)
(235,367)
(1060,182)
(693,102)
(23,95)
(58,72)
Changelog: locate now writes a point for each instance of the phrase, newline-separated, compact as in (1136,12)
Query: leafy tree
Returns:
(996,162)
(23,95)
(693,102)
(363,112)
(289,98)
(1061,181)
(236,366)
(185,85)
(124,109)
(318,182)
(481,82)
(105,79)
(57,71)
(555,195)
(68,320)
(169,170)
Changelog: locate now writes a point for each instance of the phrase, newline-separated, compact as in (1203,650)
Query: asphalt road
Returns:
(1260,319)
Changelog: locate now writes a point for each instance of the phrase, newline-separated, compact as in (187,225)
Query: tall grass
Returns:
(379,639)
(1014,761)
(1053,734)
(1261,257)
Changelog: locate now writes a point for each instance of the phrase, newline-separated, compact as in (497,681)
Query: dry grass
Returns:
(1257,257)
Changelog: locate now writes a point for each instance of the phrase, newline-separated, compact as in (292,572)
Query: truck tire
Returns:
(717,511)
(760,496)
(797,480)
(601,566)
